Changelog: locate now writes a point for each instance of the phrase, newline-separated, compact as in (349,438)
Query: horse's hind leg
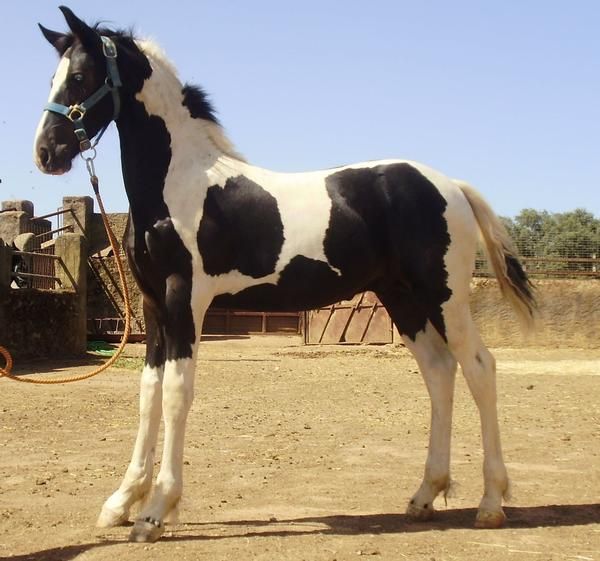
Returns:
(138,479)
(438,368)
(479,368)
(437,362)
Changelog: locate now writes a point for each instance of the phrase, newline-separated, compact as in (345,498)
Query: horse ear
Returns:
(59,41)
(88,36)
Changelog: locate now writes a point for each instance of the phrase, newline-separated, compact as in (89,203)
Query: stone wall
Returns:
(40,323)
(45,323)
(37,323)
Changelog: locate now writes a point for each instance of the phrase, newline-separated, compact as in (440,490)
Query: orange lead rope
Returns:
(5,372)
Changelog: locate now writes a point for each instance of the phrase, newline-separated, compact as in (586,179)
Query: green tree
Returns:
(540,234)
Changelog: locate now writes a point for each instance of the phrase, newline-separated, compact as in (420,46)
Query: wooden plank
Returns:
(318,324)
(337,325)
(380,328)
(363,319)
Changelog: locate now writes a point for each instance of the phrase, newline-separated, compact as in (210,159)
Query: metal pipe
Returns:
(31,254)
(58,212)
(36,276)
(50,232)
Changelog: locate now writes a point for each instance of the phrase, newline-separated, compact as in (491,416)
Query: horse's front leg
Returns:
(182,337)
(138,478)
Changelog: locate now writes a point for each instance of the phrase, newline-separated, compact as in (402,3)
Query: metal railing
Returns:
(51,279)
(37,268)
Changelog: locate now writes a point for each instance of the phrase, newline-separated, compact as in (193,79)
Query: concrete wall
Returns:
(569,314)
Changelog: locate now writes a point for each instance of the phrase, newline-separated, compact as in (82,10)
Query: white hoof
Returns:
(109,518)
(147,530)
(419,513)
(490,519)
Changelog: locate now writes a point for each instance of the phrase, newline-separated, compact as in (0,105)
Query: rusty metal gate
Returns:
(361,320)
(220,321)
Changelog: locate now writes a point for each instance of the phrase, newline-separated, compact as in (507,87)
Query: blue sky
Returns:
(503,94)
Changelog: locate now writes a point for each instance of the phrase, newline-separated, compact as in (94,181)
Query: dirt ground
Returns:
(306,453)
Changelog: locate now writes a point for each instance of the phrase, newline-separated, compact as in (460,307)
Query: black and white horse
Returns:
(206,225)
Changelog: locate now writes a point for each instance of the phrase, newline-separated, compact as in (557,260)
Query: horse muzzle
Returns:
(53,159)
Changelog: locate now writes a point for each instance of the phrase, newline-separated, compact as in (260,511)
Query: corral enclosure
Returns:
(569,308)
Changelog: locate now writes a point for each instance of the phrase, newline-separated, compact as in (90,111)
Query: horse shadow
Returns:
(27,366)
(343,524)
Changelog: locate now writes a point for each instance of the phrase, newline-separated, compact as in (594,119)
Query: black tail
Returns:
(512,278)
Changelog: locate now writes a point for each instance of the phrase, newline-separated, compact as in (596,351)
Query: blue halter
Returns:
(75,113)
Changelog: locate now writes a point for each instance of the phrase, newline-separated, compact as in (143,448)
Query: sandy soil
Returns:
(306,453)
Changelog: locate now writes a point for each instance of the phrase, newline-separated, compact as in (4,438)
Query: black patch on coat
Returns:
(395,211)
(159,261)
(386,233)
(241,229)
(196,100)
(304,284)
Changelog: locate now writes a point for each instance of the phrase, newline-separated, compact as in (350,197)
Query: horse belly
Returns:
(303,284)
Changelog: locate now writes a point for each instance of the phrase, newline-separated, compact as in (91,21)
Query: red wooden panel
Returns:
(363,319)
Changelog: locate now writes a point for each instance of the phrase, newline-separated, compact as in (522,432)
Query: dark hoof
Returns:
(146,530)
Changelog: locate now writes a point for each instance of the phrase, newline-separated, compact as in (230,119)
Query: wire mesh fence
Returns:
(575,258)
(565,244)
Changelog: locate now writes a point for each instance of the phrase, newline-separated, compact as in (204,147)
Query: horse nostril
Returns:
(44,156)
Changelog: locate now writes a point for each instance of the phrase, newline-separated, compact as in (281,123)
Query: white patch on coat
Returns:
(304,207)
(201,151)
(59,78)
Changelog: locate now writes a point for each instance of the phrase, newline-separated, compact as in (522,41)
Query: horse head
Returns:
(86,92)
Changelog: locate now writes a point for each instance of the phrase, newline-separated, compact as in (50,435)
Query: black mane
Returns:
(194,97)
(196,100)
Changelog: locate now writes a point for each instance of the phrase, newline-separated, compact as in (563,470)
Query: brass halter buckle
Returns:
(76,113)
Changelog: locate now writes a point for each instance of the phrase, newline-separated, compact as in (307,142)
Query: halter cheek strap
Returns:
(76,113)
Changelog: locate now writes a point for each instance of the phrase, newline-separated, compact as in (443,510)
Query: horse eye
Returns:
(78,77)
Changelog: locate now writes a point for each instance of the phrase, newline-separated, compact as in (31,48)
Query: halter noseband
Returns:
(75,113)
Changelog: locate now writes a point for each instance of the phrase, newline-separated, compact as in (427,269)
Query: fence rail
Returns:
(549,267)
(46,263)
(55,231)
(59,212)
(36,268)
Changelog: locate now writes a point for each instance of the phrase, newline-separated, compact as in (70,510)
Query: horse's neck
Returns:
(163,147)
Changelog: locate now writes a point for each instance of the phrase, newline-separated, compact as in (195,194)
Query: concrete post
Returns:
(24,206)
(80,217)
(72,272)
(14,219)
(5,266)
(72,268)
(13,223)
